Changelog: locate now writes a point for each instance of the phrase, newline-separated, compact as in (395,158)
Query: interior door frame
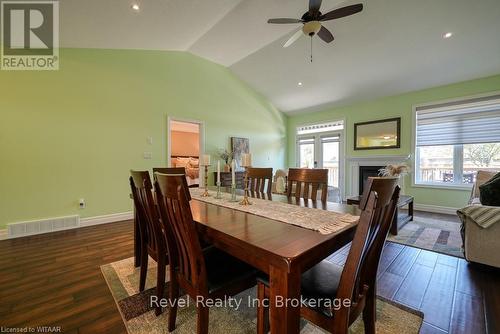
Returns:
(201,127)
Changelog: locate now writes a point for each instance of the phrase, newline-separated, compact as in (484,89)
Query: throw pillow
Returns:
(489,192)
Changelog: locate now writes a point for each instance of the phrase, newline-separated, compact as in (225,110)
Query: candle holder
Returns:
(245,200)
(233,193)
(219,194)
(205,193)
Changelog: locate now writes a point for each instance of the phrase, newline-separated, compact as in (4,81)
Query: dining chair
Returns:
(172,170)
(257,178)
(210,272)
(153,241)
(302,181)
(356,280)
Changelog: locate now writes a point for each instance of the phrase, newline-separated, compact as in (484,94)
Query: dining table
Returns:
(281,250)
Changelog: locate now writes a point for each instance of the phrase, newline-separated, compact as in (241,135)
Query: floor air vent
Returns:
(21,229)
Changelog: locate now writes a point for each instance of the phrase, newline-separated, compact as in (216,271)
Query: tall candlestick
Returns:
(245,200)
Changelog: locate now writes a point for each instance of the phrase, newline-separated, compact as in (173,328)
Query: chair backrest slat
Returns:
(257,178)
(307,183)
(175,211)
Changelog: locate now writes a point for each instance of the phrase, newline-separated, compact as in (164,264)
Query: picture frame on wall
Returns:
(379,134)
(239,146)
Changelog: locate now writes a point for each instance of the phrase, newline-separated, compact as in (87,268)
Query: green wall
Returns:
(76,133)
(396,106)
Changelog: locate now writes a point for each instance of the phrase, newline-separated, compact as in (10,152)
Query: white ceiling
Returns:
(393,46)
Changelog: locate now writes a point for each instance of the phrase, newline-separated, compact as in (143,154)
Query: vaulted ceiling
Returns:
(393,46)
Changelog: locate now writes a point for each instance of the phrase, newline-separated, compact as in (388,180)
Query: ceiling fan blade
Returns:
(342,12)
(314,6)
(284,21)
(325,35)
(294,37)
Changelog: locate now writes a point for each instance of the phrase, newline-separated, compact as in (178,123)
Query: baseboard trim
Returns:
(84,222)
(436,209)
(105,219)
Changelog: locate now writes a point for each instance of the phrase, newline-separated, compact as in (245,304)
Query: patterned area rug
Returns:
(440,236)
(139,318)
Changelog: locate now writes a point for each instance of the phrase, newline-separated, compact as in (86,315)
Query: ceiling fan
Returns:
(312,19)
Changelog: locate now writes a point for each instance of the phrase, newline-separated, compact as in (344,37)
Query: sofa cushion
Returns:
(489,192)
(482,177)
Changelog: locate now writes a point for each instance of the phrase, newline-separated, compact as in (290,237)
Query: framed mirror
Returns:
(379,134)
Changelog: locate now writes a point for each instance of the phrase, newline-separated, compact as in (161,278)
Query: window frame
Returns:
(458,153)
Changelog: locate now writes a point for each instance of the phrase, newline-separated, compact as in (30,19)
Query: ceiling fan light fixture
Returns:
(311,28)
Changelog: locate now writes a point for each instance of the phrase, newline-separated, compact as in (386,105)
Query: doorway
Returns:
(185,146)
(321,146)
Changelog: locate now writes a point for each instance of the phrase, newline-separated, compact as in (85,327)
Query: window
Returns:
(454,140)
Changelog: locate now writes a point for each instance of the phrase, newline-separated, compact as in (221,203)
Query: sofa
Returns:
(481,242)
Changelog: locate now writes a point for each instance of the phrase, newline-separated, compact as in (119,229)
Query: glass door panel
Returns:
(306,153)
(330,161)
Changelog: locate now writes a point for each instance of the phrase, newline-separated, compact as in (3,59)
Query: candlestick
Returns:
(245,200)
(233,193)
(219,194)
(205,193)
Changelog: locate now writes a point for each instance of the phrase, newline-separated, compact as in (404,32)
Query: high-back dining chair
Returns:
(257,178)
(153,242)
(208,272)
(172,170)
(302,181)
(356,281)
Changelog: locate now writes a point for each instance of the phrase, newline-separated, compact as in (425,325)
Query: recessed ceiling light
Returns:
(135,7)
(387,137)
(448,35)
(299,84)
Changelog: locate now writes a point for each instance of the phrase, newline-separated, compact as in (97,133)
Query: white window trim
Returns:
(414,159)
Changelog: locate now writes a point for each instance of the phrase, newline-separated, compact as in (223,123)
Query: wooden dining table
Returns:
(280,250)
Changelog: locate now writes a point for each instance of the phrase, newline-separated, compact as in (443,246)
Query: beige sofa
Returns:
(481,245)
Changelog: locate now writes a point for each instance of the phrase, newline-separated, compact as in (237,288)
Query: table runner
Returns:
(322,221)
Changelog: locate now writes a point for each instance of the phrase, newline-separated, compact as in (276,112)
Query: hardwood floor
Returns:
(55,280)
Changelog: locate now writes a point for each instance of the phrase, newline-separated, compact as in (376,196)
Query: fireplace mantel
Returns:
(353,164)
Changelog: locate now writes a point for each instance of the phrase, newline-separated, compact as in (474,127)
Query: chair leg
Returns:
(202,325)
(144,269)
(173,296)
(160,283)
(262,311)
(370,312)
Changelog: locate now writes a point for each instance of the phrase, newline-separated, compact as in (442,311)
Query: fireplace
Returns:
(364,173)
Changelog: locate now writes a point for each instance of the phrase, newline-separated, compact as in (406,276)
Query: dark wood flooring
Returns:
(55,280)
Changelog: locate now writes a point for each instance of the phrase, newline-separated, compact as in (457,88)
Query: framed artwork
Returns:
(239,146)
(385,133)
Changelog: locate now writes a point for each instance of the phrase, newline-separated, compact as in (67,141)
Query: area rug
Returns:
(123,281)
(440,236)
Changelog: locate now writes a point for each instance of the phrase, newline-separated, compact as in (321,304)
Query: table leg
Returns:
(410,210)
(137,241)
(284,301)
